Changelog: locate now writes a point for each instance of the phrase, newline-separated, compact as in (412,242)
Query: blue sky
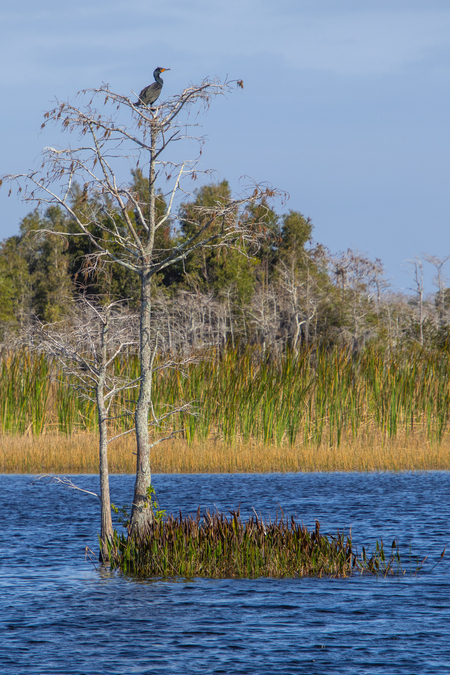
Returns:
(345,105)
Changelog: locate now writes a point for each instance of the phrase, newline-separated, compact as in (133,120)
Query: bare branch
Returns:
(63,480)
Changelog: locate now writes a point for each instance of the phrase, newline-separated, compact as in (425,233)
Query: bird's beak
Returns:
(163,70)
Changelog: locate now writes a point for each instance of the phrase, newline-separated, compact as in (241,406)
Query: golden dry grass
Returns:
(55,453)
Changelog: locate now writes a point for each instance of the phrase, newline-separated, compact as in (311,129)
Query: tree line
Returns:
(288,292)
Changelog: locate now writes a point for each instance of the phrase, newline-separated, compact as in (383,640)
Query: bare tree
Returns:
(86,344)
(361,283)
(416,274)
(297,295)
(121,224)
(439,282)
(263,312)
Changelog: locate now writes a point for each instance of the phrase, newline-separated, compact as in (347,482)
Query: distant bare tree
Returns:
(361,283)
(439,282)
(416,274)
(298,299)
(263,313)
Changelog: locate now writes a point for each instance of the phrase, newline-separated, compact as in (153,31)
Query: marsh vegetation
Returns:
(216,546)
(318,410)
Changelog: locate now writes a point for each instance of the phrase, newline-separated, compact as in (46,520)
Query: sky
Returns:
(345,105)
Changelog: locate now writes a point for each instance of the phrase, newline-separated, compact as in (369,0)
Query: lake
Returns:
(60,614)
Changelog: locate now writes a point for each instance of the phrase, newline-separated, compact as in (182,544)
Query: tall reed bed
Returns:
(313,398)
(245,396)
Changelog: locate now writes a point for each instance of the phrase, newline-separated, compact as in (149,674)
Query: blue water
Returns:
(59,614)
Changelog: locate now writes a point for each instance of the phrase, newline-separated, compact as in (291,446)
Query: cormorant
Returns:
(149,94)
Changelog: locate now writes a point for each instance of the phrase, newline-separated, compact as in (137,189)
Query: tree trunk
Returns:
(106,532)
(142,514)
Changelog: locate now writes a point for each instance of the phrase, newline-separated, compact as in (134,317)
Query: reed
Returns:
(312,402)
(78,453)
(215,546)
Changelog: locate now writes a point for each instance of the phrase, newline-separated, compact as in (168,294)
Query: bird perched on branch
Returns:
(149,94)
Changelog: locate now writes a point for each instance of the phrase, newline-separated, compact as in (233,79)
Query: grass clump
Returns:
(216,546)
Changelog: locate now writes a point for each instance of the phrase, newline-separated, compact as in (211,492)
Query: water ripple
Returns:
(60,615)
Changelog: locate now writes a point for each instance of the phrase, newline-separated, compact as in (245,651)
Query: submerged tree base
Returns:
(218,547)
